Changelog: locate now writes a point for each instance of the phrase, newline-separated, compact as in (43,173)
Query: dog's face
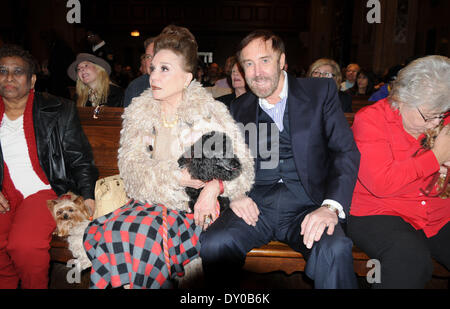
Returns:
(211,157)
(431,135)
(68,210)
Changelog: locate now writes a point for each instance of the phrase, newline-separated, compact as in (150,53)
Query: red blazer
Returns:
(390,178)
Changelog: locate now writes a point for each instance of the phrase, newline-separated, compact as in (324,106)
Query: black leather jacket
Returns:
(63,150)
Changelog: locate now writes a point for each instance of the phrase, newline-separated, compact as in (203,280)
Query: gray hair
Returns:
(425,81)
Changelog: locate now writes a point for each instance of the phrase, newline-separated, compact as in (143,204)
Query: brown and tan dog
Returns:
(441,181)
(68,210)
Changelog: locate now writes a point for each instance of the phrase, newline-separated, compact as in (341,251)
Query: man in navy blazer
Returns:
(302,198)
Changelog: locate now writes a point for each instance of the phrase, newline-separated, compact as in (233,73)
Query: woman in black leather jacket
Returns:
(44,154)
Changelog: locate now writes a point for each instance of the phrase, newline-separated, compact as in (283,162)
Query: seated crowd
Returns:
(119,85)
(321,188)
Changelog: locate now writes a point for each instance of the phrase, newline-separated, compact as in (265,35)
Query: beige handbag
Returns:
(109,195)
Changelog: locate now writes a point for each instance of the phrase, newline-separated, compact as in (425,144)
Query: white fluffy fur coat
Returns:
(157,181)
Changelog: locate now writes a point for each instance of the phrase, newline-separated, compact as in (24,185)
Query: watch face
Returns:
(332,208)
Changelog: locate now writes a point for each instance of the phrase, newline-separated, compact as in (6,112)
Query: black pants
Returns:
(405,254)
(225,243)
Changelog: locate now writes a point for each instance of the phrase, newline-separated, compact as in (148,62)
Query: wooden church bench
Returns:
(103,133)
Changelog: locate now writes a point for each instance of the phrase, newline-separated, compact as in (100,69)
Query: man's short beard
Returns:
(261,93)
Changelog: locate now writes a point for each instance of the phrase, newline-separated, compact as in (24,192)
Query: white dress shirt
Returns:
(276,112)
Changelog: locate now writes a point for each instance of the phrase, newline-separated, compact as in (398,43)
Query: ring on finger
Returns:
(207,219)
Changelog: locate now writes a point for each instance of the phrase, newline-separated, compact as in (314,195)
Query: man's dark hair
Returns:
(94,31)
(11,50)
(265,35)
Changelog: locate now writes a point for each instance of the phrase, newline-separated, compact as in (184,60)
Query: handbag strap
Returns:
(164,236)
(165,231)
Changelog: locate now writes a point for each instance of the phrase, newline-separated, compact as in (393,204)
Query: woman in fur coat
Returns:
(150,240)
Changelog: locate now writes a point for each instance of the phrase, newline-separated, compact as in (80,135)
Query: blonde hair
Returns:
(102,89)
(335,67)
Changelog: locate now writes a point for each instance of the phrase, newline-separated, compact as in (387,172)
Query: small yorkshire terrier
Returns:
(440,181)
(68,210)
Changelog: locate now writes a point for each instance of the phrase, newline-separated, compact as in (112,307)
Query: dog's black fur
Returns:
(210,157)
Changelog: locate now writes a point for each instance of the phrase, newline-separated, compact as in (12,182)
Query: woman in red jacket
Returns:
(393,218)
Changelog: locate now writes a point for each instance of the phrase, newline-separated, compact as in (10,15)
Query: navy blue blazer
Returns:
(325,152)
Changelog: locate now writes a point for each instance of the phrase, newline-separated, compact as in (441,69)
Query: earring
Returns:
(183,92)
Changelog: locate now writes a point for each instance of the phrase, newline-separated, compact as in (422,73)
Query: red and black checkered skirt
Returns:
(126,246)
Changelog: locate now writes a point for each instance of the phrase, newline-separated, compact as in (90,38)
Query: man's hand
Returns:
(246,209)
(4,204)
(315,223)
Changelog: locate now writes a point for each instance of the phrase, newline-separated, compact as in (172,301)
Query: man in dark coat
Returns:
(142,83)
(303,182)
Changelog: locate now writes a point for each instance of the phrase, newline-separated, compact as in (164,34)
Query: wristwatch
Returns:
(332,208)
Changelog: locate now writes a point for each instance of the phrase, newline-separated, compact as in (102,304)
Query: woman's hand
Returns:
(441,146)
(187,181)
(4,204)
(206,204)
(444,168)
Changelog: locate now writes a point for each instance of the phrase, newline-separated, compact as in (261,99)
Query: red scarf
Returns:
(8,189)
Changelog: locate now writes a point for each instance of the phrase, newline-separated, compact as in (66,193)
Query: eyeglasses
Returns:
(17,72)
(440,117)
(323,74)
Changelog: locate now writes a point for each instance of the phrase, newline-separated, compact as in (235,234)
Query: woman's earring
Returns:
(184,91)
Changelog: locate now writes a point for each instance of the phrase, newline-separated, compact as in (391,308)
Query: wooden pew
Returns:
(360,102)
(104,133)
